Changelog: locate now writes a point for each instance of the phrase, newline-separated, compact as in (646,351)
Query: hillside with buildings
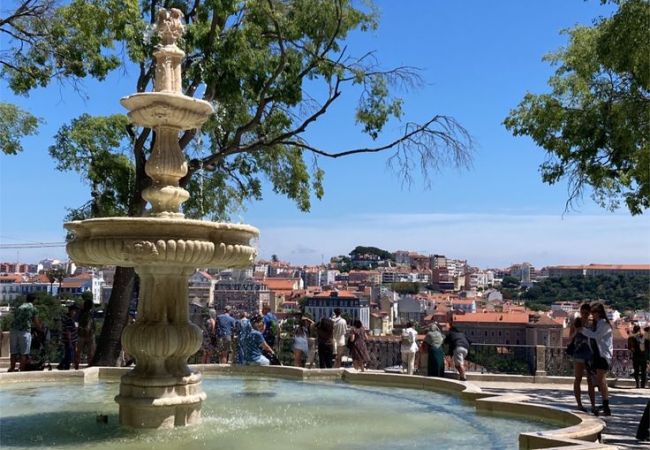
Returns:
(492,305)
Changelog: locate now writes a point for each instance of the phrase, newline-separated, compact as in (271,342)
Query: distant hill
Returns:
(619,291)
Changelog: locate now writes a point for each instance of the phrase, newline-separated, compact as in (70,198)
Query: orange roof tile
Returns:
(11,278)
(275,284)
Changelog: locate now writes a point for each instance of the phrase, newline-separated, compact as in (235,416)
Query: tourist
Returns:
(300,345)
(225,328)
(20,334)
(458,350)
(582,362)
(86,333)
(69,338)
(358,348)
(209,344)
(435,355)
(409,348)
(602,351)
(270,325)
(636,345)
(340,330)
(243,329)
(255,345)
(325,332)
(312,332)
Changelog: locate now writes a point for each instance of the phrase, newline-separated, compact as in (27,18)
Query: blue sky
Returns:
(478,59)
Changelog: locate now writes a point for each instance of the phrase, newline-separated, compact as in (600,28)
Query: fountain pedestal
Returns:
(161,391)
(165,248)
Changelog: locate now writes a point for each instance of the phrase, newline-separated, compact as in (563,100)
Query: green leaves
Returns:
(595,123)
(68,42)
(270,67)
(15,123)
(90,145)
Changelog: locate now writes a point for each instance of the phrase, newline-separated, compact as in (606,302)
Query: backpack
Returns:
(407,338)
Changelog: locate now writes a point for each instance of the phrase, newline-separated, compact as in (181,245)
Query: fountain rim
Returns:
(577,430)
(155,222)
(177,99)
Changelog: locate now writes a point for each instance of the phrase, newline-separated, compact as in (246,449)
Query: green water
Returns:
(254,413)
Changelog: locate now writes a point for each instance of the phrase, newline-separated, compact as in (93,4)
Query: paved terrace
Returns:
(627,406)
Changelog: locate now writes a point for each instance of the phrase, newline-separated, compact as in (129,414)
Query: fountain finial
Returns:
(169,25)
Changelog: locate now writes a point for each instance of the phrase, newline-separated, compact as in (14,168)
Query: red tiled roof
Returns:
(12,278)
(492,317)
(276,284)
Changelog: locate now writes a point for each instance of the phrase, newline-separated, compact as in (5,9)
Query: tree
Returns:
(509,282)
(56,274)
(595,123)
(272,68)
(406,287)
(360,251)
(15,123)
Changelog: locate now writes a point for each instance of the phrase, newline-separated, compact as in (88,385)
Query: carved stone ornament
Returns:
(169,25)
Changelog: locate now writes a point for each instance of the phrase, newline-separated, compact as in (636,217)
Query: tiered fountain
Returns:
(164,248)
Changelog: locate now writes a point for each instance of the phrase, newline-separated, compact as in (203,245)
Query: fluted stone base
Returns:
(160,402)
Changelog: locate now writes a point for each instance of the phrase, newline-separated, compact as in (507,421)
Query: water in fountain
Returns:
(249,413)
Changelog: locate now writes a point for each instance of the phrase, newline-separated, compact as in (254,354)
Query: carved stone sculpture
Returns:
(164,248)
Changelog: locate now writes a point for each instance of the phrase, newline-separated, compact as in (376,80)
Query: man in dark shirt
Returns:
(458,349)
(69,337)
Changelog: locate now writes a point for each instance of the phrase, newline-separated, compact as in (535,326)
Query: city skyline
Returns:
(304,244)
(477,61)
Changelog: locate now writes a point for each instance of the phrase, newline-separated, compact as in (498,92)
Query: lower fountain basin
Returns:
(245,412)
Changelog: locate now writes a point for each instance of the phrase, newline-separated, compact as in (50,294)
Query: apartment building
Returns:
(352,305)
(515,328)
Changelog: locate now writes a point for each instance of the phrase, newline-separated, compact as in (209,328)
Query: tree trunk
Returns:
(116,318)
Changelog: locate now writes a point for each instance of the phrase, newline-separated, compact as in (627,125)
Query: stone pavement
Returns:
(627,406)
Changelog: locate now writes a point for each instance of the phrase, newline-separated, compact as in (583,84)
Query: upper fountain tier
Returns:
(156,109)
(167,106)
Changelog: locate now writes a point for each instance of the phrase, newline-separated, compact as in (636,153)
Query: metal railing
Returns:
(504,359)
(482,358)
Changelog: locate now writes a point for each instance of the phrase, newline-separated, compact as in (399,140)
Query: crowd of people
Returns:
(30,338)
(252,341)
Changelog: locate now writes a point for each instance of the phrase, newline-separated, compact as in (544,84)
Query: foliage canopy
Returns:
(595,122)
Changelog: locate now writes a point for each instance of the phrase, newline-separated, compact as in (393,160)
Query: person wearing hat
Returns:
(225,327)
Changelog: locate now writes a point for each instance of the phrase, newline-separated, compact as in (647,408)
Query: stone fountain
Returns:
(164,248)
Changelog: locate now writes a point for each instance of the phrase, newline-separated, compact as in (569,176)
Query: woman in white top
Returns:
(603,352)
(300,345)
(409,348)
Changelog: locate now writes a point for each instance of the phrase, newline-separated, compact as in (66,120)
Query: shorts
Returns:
(460,353)
(20,342)
(600,363)
(260,361)
(339,346)
(224,344)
